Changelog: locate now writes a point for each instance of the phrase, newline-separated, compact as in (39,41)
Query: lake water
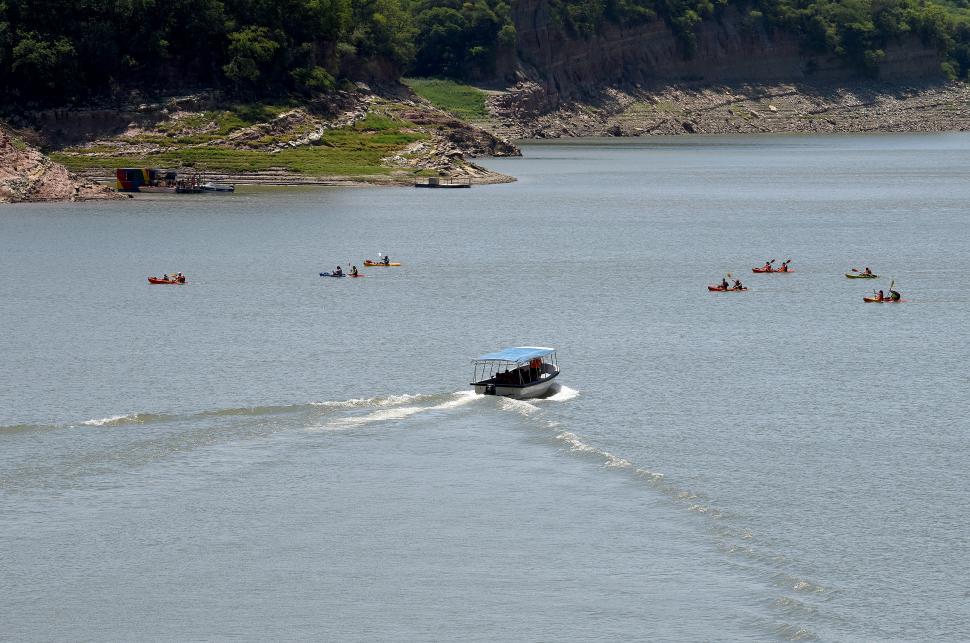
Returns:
(266,454)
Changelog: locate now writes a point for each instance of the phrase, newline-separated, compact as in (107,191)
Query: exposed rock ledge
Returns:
(735,109)
(28,175)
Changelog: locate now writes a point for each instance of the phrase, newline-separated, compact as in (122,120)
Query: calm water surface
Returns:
(263,453)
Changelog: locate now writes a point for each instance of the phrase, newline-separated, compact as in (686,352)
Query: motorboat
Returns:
(212,186)
(518,372)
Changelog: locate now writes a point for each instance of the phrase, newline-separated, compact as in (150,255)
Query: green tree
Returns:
(251,51)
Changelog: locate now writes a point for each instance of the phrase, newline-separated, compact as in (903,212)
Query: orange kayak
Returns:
(723,289)
(156,280)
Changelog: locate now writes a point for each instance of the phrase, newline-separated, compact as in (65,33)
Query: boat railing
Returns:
(510,373)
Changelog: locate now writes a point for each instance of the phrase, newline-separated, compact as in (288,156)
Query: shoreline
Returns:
(739,109)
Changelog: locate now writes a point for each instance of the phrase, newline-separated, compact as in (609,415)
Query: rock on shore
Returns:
(28,175)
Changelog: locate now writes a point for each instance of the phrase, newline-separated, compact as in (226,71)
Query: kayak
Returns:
(156,280)
(379,264)
(860,275)
(884,300)
(330,274)
(722,289)
(763,269)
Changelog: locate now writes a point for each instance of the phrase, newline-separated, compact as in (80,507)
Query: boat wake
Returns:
(311,408)
(397,412)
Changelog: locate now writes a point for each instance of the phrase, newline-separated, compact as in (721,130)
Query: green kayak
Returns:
(860,275)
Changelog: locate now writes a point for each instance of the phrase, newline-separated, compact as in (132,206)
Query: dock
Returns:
(438,182)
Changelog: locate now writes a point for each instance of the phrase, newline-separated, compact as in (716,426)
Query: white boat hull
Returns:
(536,389)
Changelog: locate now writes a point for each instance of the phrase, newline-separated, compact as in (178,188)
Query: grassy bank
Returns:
(464,101)
(356,150)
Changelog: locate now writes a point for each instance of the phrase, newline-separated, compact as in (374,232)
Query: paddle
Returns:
(854,270)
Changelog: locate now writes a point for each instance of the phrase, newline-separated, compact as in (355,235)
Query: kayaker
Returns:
(737,285)
(767,266)
(879,296)
(784,266)
(338,272)
(165,276)
(387,260)
(180,278)
(867,271)
(894,295)
(724,284)
(353,270)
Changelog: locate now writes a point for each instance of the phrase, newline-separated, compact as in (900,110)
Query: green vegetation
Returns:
(464,101)
(856,30)
(62,52)
(460,38)
(69,51)
(347,151)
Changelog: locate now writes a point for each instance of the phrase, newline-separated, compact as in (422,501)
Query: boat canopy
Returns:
(516,354)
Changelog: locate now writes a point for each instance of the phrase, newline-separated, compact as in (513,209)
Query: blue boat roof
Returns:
(516,354)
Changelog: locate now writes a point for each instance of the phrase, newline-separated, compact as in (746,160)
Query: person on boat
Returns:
(867,271)
(353,271)
(784,266)
(180,278)
(767,267)
(338,272)
(737,285)
(387,260)
(894,295)
(724,283)
(879,296)
(165,276)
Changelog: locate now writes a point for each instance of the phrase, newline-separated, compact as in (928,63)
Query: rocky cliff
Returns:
(728,50)
(28,175)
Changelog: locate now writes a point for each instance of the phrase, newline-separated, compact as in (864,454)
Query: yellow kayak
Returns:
(379,264)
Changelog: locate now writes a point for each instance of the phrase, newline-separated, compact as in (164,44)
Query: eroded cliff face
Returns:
(727,51)
(28,175)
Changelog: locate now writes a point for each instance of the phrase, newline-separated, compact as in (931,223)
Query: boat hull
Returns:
(535,389)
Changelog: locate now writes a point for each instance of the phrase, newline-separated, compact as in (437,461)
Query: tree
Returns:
(251,50)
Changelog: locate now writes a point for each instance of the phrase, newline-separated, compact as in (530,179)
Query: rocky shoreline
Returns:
(27,175)
(687,108)
(448,145)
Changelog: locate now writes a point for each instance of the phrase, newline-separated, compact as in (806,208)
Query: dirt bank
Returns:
(734,109)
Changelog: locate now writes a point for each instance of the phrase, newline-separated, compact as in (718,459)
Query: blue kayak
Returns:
(330,274)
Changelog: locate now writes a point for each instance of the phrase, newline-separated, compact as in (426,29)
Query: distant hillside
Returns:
(60,52)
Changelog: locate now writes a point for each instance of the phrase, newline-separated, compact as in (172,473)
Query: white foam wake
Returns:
(564,393)
(114,419)
(400,412)
(358,402)
(577,445)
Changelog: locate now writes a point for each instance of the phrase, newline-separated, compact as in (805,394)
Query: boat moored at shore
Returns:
(518,372)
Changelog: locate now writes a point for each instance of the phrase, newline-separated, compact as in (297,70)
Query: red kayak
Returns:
(156,280)
(763,269)
(723,289)
(884,300)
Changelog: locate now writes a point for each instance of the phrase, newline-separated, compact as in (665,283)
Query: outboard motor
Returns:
(489,389)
